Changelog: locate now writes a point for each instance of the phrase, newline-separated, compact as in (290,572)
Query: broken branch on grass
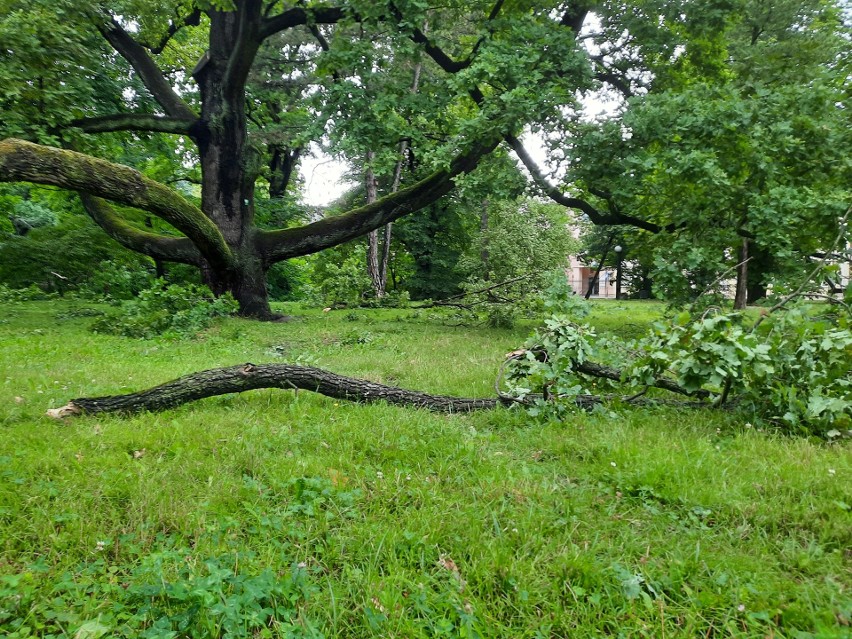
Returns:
(237,379)
(245,377)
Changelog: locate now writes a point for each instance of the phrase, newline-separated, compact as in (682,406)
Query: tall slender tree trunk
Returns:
(484,254)
(380,279)
(371,186)
(741,297)
(597,274)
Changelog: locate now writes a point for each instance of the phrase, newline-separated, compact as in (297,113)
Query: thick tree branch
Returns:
(613,218)
(283,244)
(299,16)
(245,48)
(147,69)
(245,377)
(135,122)
(619,83)
(437,54)
(159,247)
(575,16)
(26,162)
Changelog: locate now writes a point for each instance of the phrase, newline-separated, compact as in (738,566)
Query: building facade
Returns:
(581,278)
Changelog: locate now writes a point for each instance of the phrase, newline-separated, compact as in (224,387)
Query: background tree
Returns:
(731,144)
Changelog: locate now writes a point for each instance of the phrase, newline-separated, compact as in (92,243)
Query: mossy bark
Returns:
(237,379)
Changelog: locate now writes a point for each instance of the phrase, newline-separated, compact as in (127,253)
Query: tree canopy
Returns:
(734,117)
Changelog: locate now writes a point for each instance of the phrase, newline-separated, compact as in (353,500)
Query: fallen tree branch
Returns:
(607,372)
(245,377)
(237,379)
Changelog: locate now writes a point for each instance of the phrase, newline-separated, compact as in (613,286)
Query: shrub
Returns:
(28,215)
(32,292)
(343,283)
(286,281)
(172,311)
(69,250)
(112,282)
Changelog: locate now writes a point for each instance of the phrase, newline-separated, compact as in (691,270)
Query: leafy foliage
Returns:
(519,247)
(737,132)
(113,282)
(69,249)
(790,369)
(173,311)
(340,277)
(28,215)
(793,370)
(11,295)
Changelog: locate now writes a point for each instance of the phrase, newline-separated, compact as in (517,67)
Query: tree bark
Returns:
(484,254)
(597,274)
(371,186)
(24,161)
(237,379)
(246,377)
(229,164)
(741,296)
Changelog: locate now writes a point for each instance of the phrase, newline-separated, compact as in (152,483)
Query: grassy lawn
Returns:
(282,514)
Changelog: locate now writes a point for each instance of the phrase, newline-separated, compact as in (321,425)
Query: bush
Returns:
(28,215)
(396,299)
(341,283)
(286,281)
(69,250)
(33,292)
(113,282)
(171,311)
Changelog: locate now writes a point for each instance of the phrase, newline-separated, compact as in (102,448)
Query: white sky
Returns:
(324,178)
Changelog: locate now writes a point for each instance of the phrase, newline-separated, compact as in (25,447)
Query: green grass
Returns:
(375,521)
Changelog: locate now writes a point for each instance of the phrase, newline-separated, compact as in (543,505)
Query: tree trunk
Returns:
(484,254)
(760,263)
(741,297)
(282,163)
(397,179)
(373,270)
(600,267)
(229,168)
(246,282)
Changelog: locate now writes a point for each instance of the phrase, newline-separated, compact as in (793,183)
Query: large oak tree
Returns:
(219,76)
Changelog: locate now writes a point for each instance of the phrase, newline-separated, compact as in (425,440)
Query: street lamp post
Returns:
(618,252)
